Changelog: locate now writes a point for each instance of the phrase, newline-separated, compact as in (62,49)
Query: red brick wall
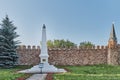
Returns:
(29,55)
(86,56)
(113,56)
(78,56)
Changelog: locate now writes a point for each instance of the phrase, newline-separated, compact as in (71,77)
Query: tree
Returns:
(50,44)
(8,45)
(86,44)
(60,44)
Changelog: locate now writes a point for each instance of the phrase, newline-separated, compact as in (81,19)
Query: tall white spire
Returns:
(44,51)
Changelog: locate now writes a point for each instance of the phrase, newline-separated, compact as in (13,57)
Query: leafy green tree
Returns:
(86,44)
(60,44)
(50,44)
(8,45)
(70,44)
(57,44)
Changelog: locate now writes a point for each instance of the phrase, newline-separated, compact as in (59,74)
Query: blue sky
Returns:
(76,20)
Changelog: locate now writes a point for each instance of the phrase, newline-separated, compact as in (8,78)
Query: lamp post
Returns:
(41,66)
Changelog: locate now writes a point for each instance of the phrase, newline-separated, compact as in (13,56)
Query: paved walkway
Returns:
(37,77)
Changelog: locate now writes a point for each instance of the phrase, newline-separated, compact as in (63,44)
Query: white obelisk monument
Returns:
(46,67)
(44,51)
(44,54)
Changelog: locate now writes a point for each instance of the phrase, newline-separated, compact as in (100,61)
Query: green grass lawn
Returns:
(96,72)
(11,74)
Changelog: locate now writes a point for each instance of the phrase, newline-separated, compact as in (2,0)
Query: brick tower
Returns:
(112,43)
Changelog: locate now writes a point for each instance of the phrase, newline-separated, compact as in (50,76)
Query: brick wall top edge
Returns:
(79,48)
(28,47)
(94,47)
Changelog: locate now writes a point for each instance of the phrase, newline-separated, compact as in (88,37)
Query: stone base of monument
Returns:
(45,69)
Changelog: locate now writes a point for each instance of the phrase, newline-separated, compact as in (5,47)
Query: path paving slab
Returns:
(37,77)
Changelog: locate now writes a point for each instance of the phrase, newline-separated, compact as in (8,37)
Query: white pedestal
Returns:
(46,69)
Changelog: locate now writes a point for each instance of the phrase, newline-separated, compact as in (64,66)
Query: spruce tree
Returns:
(8,44)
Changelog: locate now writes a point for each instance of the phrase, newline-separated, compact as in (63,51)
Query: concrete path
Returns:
(37,77)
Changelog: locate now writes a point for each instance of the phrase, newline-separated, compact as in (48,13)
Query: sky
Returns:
(74,20)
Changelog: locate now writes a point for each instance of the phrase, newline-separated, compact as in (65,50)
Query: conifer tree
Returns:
(8,45)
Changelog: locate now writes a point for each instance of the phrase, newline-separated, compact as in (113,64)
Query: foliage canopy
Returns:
(60,44)
(86,44)
(8,45)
